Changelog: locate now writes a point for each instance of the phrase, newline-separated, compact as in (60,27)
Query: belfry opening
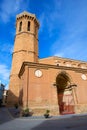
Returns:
(64,93)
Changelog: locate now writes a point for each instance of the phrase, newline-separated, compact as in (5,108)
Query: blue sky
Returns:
(63,29)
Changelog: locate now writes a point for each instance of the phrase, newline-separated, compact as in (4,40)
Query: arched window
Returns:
(28,26)
(20,26)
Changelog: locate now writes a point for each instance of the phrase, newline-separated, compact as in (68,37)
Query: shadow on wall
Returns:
(12,99)
(4,109)
(21,97)
(9,109)
(12,109)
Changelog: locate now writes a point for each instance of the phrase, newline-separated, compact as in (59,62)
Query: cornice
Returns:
(48,66)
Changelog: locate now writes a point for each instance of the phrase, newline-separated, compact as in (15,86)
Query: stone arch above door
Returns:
(63,81)
(64,92)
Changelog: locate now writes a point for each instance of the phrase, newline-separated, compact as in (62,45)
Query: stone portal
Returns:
(65,94)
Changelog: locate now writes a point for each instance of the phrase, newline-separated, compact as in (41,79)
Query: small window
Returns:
(20,26)
(28,27)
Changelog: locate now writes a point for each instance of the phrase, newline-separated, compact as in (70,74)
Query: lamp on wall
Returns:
(54,84)
(73,85)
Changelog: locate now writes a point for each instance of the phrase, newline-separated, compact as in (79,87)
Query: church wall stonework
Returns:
(35,83)
(42,94)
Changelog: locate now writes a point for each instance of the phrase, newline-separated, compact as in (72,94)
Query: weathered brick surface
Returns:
(25,49)
(40,93)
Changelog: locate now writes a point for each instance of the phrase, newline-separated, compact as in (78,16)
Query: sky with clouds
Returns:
(63,29)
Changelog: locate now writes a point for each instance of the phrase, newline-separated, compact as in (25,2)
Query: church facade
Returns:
(53,83)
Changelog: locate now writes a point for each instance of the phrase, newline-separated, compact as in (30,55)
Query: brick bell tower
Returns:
(25,49)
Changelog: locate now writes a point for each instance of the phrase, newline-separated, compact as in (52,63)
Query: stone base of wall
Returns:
(41,111)
(81,108)
(54,110)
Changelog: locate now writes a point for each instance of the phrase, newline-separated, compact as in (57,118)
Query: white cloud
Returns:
(72,50)
(41,21)
(4,72)
(50,17)
(10,7)
(59,54)
(53,16)
(72,39)
(6,47)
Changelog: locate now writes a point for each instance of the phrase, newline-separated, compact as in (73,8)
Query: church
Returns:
(52,83)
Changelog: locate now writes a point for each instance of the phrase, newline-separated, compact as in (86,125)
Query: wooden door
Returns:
(66,102)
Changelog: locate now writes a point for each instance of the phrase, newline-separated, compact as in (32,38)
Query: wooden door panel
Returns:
(66,103)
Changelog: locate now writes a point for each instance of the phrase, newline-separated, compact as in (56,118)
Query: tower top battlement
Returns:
(27,16)
(25,13)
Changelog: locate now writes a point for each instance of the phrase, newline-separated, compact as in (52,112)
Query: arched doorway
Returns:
(64,92)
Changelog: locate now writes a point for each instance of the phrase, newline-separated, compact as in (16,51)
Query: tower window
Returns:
(20,26)
(28,26)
